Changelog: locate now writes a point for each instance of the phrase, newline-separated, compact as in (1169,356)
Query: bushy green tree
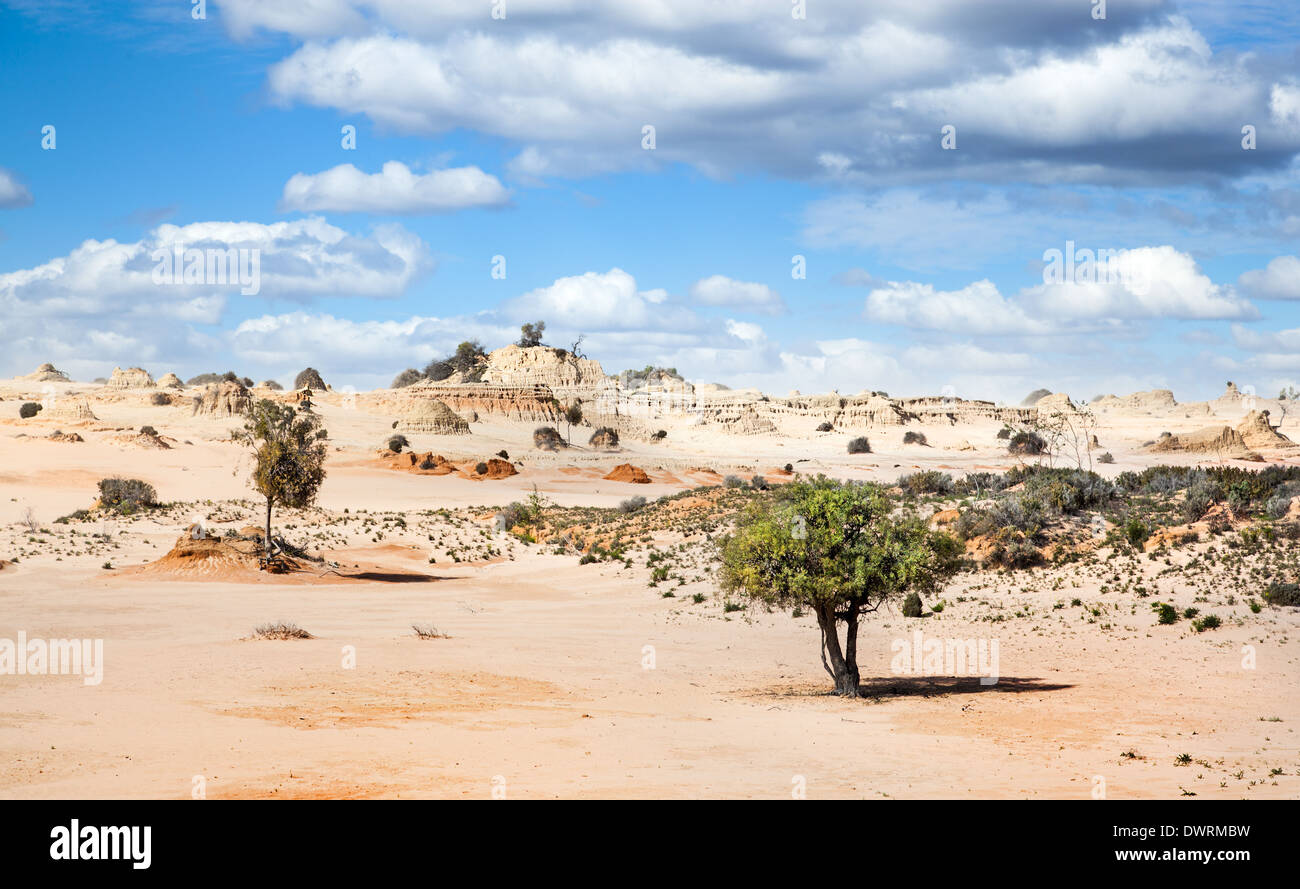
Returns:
(289,456)
(835,549)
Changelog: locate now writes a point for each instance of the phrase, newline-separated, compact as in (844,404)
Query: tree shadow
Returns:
(937,686)
(393,577)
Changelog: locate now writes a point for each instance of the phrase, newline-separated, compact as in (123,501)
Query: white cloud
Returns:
(393,190)
(977,308)
(12,192)
(100,303)
(735,85)
(1280,279)
(1147,282)
(600,301)
(719,290)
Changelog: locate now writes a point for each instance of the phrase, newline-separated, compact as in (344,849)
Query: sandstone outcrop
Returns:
(131,378)
(432,416)
(228,398)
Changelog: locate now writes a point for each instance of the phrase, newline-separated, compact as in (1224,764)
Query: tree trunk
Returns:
(843,669)
(267,539)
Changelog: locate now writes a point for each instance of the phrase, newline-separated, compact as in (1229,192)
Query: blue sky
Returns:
(775,137)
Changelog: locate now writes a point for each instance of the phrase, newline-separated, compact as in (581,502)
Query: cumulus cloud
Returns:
(719,290)
(1280,279)
(12,192)
(1036,94)
(600,301)
(395,189)
(1147,282)
(976,308)
(108,302)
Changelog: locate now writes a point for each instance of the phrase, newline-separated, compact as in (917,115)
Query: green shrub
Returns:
(914,438)
(397,442)
(632,504)
(860,445)
(1285,594)
(548,438)
(1209,622)
(29,410)
(912,605)
(126,495)
(406,378)
(1168,614)
(930,481)
(1027,444)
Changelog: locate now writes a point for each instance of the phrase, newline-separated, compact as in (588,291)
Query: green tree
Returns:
(572,417)
(835,549)
(289,456)
(531,334)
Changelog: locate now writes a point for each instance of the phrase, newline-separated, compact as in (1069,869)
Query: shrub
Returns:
(632,504)
(126,495)
(604,437)
(1014,554)
(825,427)
(272,385)
(406,378)
(914,438)
(1286,594)
(980,484)
(1209,622)
(1107,457)
(548,438)
(733,481)
(428,631)
(1168,614)
(29,410)
(930,481)
(481,468)
(661,435)
(397,442)
(428,463)
(308,377)
(912,605)
(503,455)
(1277,506)
(1027,444)
(1004,433)
(1136,532)
(281,630)
(513,514)
(789,467)
(159,399)
(149,430)
(758,483)
(860,445)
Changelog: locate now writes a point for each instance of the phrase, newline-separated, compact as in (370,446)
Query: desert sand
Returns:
(554,678)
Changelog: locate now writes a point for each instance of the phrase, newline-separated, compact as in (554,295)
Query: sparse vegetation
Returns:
(859,445)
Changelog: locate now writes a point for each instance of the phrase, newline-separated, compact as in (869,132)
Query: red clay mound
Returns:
(422,464)
(626,472)
(497,468)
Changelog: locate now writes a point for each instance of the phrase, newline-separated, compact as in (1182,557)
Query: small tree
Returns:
(572,417)
(289,456)
(835,549)
(531,334)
